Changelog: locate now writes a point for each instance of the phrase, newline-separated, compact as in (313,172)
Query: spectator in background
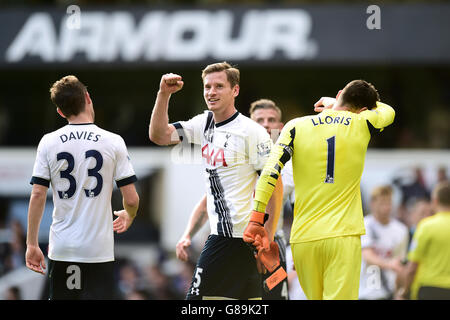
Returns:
(414,188)
(182,280)
(18,243)
(128,279)
(160,283)
(428,273)
(13,293)
(442,174)
(383,247)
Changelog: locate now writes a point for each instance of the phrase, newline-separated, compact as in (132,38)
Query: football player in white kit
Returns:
(234,148)
(266,113)
(81,162)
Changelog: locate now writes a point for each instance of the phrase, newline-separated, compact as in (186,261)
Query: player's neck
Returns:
(220,116)
(339,107)
(442,209)
(80,118)
(382,219)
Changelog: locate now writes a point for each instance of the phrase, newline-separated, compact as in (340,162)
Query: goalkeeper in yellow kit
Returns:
(328,152)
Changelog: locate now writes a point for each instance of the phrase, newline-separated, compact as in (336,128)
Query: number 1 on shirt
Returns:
(330,159)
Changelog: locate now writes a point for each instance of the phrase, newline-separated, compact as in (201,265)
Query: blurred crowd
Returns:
(12,246)
(154,282)
(167,278)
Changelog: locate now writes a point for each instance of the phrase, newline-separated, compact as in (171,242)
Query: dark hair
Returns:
(233,74)
(359,94)
(68,94)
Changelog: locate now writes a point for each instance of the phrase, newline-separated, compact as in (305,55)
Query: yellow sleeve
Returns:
(381,116)
(279,155)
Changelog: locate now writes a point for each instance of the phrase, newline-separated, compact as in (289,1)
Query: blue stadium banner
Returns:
(297,35)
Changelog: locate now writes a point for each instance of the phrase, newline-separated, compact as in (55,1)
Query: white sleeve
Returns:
(41,170)
(367,240)
(124,173)
(192,130)
(260,145)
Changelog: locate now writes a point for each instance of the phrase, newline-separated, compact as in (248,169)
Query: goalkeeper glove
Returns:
(256,227)
(271,260)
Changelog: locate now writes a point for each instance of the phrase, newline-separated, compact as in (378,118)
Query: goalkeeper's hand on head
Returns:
(256,227)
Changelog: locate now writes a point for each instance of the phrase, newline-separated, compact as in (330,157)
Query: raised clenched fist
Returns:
(170,83)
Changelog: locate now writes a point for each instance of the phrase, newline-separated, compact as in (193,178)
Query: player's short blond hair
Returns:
(264,104)
(381,191)
(233,74)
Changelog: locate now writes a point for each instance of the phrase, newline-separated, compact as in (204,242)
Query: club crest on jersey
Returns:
(227,136)
(263,148)
(214,156)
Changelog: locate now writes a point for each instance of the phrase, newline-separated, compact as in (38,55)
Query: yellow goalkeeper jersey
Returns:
(328,152)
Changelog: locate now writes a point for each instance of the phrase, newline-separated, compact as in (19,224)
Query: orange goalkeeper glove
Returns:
(256,227)
(271,260)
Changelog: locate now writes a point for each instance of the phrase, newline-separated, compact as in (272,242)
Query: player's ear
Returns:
(60,113)
(236,90)
(87,98)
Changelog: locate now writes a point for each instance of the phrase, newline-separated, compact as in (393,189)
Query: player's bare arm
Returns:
(408,278)
(274,209)
(160,131)
(197,219)
(372,258)
(126,216)
(34,258)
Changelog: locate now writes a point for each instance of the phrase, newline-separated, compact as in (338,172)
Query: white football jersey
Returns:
(81,162)
(233,152)
(388,241)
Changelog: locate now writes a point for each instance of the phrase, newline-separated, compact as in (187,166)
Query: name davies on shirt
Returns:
(80,135)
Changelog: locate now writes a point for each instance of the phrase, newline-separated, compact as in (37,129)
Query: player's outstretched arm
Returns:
(160,131)
(197,219)
(130,204)
(34,258)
